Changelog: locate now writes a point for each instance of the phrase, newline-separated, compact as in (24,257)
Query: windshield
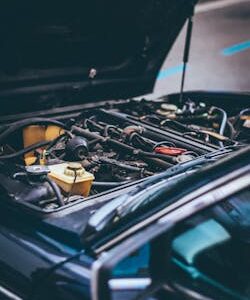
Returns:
(215,246)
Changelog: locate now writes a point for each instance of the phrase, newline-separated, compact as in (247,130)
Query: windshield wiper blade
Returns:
(121,206)
(103,216)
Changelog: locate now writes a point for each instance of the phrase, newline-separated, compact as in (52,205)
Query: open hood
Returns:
(104,49)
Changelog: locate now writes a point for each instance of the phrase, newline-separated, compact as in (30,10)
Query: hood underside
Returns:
(104,49)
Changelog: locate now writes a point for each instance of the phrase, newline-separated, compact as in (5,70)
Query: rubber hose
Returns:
(154,159)
(25,150)
(13,127)
(56,190)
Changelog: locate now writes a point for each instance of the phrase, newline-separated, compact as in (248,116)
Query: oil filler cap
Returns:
(74,169)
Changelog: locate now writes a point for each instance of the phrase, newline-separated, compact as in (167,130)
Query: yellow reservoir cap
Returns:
(72,178)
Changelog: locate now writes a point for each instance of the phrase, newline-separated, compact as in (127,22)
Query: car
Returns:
(194,247)
(85,160)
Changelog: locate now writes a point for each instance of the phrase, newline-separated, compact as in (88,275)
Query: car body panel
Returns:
(72,278)
(91,50)
(102,268)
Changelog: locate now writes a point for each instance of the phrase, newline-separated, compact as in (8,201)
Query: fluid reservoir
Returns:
(72,178)
(31,135)
(52,132)
(36,133)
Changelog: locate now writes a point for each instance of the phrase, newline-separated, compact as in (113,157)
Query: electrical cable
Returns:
(32,148)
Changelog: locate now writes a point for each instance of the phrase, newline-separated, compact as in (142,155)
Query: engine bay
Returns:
(54,161)
(207,123)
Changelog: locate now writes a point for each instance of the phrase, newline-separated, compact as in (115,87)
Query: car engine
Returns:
(51,162)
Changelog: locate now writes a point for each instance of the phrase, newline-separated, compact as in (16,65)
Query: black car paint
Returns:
(42,242)
(160,233)
(46,267)
(26,255)
(53,238)
(62,52)
(172,193)
(43,257)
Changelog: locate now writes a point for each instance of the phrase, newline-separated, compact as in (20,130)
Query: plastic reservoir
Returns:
(72,178)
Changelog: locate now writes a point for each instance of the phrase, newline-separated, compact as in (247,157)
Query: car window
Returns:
(211,250)
(136,265)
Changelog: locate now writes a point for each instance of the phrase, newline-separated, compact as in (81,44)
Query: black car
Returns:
(88,184)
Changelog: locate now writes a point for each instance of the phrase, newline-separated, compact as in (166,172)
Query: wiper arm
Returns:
(115,210)
(121,206)
(103,216)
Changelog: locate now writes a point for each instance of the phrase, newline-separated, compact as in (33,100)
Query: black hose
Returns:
(157,162)
(139,153)
(33,147)
(144,143)
(94,124)
(152,158)
(94,142)
(177,124)
(56,190)
(25,150)
(167,158)
(87,134)
(13,127)
(193,118)
(57,139)
(162,160)
(119,164)
(164,143)
(107,128)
